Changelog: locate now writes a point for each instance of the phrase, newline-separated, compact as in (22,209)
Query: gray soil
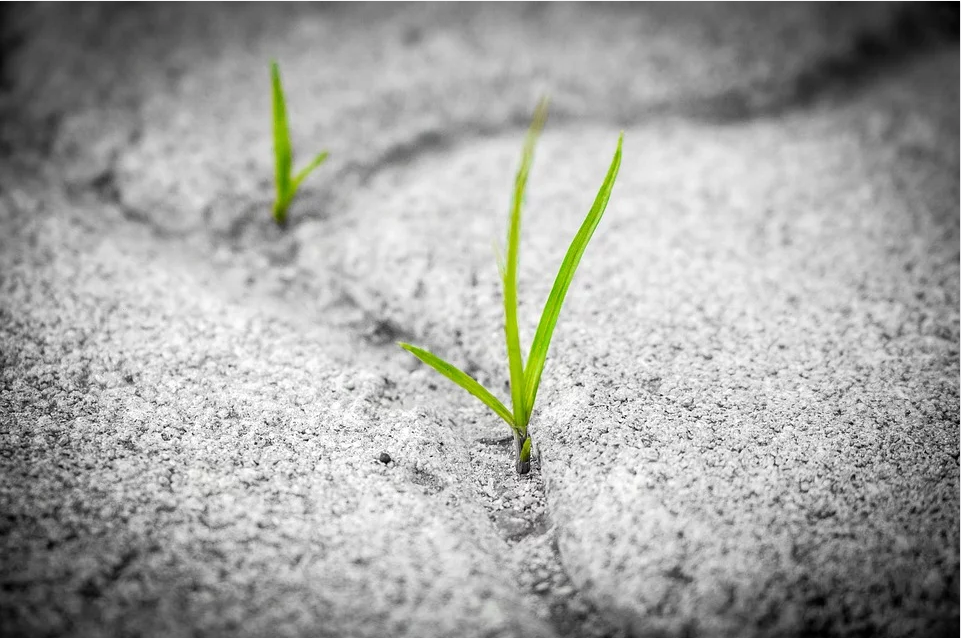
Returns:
(748,424)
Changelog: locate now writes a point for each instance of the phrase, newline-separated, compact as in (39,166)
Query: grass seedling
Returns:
(287,183)
(525,377)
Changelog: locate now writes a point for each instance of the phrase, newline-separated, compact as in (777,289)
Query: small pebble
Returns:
(384,458)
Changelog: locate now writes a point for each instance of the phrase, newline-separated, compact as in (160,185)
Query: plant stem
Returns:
(522,456)
(280,212)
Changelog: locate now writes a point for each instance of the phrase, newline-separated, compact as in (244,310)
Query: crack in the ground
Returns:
(12,39)
(517,508)
(915,29)
(105,186)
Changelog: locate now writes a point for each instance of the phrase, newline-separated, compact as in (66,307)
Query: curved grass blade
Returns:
(463,380)
(552,309)
(307,169)
(283,155)
(512,333)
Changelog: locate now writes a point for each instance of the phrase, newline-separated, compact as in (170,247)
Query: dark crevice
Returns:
(106,189)
(424,142)
(531,532)
(427,143)
(374,330)
(383,332)
(915,29)
(12,39)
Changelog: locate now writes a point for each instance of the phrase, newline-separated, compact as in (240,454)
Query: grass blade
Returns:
(512,333)
(499,257)
(463,380)
(283,155)
(307,169)
(552,309)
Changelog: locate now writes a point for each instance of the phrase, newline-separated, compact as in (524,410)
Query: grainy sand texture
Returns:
(748,422)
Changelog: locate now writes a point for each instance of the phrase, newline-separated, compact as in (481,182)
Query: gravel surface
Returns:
(749,419)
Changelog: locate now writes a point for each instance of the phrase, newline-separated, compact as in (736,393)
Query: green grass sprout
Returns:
(287,183)
(525,378)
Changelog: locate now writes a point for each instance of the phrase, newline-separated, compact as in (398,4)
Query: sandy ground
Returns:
(748,424)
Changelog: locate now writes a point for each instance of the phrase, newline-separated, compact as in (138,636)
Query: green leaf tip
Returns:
(317,161)
(286,183)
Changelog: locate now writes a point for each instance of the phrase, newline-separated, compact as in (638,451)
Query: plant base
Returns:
(522,459)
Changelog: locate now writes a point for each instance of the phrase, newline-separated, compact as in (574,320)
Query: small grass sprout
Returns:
(525,377)
(286,182)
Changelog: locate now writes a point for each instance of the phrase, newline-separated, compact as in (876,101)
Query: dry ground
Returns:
(748,424)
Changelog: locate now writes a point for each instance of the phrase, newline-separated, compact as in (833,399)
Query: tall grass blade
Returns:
(552,309)
(283,155)
(463,380)
(512,333)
